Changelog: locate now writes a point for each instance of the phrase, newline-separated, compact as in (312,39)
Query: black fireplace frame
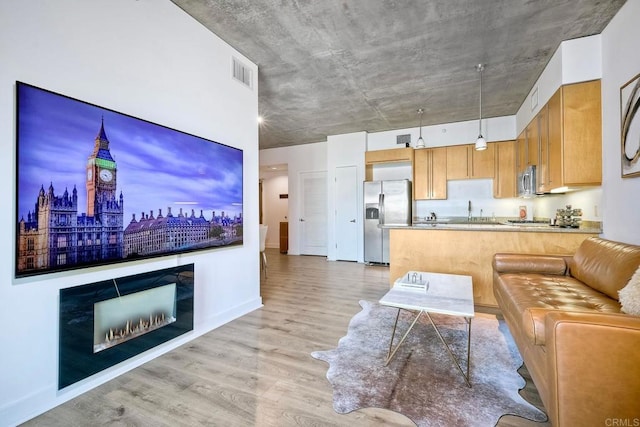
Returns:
(77,359)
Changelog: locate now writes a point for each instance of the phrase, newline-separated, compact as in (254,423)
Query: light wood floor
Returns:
(256,370)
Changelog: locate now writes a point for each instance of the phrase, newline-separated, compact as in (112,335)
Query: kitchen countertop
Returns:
(479,226)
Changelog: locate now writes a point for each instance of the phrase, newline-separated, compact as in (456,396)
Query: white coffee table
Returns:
(426,292)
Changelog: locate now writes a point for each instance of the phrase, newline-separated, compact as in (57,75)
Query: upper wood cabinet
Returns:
(393,155)
(527,153)
(542,170)
(430,174)
(465,162)
(572,154)
(564,140)
(458,162)
(533,138)
(504,182)
(521,157)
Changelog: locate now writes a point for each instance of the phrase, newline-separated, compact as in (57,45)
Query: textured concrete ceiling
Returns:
(333,67)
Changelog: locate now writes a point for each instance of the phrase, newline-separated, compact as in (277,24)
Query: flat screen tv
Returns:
(95,187)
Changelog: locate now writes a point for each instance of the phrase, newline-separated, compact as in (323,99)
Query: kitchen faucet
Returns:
(469,209)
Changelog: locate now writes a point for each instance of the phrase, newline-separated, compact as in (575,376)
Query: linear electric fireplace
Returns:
(105,323)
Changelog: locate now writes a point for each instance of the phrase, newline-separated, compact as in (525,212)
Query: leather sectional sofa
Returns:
(581,349)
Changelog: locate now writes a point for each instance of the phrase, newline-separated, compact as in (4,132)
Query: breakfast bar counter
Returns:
(479,226)
(468,249)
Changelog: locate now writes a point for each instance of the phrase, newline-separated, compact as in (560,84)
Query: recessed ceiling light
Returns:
(260,119)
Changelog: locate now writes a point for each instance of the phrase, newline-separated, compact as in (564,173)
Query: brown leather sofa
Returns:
(582,351)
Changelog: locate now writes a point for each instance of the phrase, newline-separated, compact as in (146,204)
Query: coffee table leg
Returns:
(393,334)
(455,360)
(390,356)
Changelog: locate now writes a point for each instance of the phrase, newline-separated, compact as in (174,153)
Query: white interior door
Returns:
(346,199)
(313,213)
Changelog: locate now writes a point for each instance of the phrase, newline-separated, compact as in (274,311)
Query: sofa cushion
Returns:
(530,296)
(521,263)
(605,265)
(630,295)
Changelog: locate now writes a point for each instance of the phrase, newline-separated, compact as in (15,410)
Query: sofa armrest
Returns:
(529,263)
(593,367)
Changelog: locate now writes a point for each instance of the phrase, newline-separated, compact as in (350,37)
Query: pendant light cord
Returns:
(480,69)
(420,143)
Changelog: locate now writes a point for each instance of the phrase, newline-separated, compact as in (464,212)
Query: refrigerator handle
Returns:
(381,204)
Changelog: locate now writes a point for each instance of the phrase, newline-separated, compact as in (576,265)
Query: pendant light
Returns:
(481,143)
(420,143)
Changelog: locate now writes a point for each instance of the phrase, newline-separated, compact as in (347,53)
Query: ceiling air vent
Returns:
(242,73)
(403,139)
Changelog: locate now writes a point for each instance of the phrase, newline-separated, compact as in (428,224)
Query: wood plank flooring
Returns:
(256,370)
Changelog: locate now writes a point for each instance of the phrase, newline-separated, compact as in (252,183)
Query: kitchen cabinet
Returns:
(564,140)
(393,155)
(533,139)
(542,170)
(521,157)
(574,147)
(527,147)
(284,237)
(430,174)
(465,162)
(504,182)
(470,252)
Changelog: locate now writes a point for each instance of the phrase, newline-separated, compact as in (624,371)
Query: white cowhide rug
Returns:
(422,382)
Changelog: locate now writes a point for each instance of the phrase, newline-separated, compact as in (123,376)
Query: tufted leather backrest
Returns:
(605,265)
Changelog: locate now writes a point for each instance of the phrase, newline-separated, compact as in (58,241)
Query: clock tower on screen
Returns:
(101,175)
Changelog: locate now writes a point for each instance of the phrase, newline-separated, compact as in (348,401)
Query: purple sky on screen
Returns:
(158,167)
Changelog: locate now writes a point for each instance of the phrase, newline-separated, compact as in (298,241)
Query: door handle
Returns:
(353,220)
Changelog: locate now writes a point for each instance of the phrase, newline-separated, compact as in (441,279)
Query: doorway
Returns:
(313,213)
(274,201)
(346,205)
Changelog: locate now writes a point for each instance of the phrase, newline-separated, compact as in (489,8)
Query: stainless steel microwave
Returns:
(527,182)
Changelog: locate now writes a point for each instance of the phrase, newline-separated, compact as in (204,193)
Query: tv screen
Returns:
(95,186)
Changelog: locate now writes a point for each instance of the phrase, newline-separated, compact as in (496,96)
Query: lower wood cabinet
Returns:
(284,237)
(470,252)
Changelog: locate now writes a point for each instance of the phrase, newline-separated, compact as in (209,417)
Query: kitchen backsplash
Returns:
(480,193)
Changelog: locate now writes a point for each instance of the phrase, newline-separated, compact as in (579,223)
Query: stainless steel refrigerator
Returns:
(385,203)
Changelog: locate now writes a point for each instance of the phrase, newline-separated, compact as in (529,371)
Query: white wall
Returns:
(576,60)
(458,133)
(150,60)
(581,59)
(345,150)
(620,63)
(300,158)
